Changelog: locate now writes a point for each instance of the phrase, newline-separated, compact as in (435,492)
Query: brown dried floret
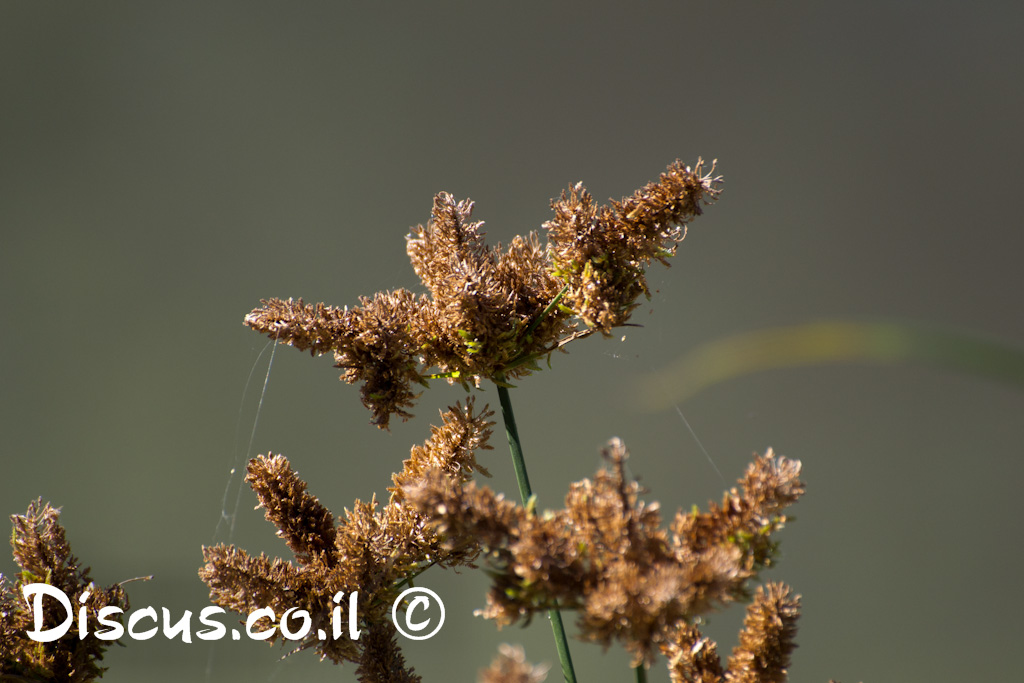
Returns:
(482,300)
(768,637)
(382,660)
(606,554)
(379,347)
(376,343)
(692,657)
(14,622)
(373,550)
(510,666)
(302,521)
(460,513)
(353,562)
(451,448)
(44,555)
(312,327)
(602,252)
(762,655)
(747,516)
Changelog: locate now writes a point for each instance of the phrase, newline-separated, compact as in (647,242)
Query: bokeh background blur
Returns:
(163,166)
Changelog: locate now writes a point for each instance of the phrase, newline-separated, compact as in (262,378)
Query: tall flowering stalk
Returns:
(487,314)
(492,314)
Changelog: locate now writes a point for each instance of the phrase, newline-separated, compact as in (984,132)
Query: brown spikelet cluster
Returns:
(692,657)
(44,555)
(602,252)
(606,554)
(767,638)
(481,300)
(492,313)
(489,312)
(373,550)
(381,660)
(510,666)
(374,343)
(486,313)
(762,655)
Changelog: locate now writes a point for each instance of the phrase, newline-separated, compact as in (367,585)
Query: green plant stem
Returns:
(641,673)
(543,314)
(526,492)
(515,445)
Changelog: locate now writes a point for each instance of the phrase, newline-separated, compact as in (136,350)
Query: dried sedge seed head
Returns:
(482,301)
(492,313)
(373,550)
(609,513)
(463,515)
(749,515)
(606,554)
(379,347)
(14,621)
(602,252)
(375,343)
(510,666)
(243,583)
(768,637)
(635,604)
(306,525)
(354,561)
(312,327)
(451,448)
(44,555)
(382,660)
(692,658)
(40,547)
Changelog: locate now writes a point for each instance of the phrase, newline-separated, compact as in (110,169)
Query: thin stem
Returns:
(562,644)
(526,492)
(529,357)
(543,314)
(641,673)
(514,445)
(407,581)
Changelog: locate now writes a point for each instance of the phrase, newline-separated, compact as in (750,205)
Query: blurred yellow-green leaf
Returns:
(829,342)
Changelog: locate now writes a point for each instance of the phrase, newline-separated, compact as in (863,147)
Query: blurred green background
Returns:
(165,166)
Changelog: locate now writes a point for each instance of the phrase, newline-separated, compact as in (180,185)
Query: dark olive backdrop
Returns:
(164,166)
